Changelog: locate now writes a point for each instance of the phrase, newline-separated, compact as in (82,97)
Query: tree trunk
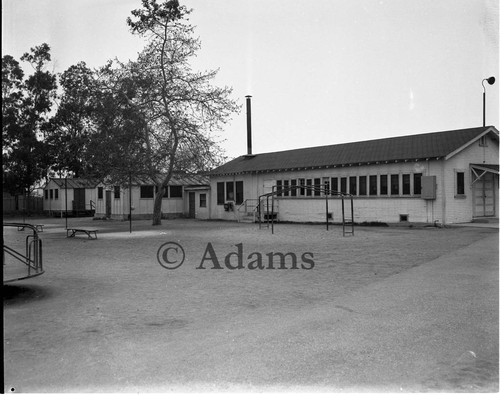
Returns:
(162,187)
(157,207)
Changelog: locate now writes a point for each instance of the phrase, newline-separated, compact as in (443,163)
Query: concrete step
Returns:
(247,219)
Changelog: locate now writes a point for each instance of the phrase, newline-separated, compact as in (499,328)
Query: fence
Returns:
(13,204)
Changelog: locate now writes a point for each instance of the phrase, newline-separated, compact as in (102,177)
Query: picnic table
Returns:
(91,233)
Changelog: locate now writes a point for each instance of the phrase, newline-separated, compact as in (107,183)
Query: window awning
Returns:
(479,170)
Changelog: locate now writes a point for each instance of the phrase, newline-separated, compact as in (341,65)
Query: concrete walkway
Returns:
(482,223)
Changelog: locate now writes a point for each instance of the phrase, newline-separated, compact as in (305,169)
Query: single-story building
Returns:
(445,177)
(76,196)
(186,196)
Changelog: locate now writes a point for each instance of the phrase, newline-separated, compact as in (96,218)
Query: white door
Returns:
(483,196)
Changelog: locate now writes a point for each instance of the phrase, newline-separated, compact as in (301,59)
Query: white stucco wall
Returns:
(446,208)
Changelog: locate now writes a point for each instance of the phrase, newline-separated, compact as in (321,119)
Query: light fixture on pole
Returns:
(490,81)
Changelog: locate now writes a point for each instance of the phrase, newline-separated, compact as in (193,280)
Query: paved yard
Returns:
(412,309)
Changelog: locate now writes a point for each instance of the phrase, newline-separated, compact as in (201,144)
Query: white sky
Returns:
(320,72)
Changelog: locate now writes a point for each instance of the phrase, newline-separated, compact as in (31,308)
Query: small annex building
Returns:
(187,195)
(442,177)
(74,196)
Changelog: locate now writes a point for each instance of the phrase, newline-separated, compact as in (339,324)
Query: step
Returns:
(247,219)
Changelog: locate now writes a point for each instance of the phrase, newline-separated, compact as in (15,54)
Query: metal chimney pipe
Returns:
(249,125)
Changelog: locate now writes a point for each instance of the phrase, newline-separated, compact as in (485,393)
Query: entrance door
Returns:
(484,196)
(192,204)
(79,199)
(108,204)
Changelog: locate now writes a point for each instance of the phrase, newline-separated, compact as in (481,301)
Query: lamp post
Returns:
(490,81)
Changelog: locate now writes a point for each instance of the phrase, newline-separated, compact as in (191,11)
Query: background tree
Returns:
(26,105)
(179,108)
(69,131)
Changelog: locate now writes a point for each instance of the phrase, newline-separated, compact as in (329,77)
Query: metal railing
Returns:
(32,257)
(249,206)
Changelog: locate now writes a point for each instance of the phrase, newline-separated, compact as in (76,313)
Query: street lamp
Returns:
(490,81)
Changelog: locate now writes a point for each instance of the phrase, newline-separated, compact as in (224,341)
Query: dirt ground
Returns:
(107,316)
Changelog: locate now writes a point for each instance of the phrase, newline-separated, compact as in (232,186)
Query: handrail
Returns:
(33,254)
(246,206)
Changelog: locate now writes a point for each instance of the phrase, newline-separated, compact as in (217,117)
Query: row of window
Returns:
(146,192)
(373,185)
(230,191)
(53,193)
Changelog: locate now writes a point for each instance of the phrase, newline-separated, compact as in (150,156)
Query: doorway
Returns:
(483,196)
(192,205)
(108,204)
(79,199)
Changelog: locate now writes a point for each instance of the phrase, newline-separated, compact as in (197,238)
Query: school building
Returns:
(443,177)
(186,196)
(74,196)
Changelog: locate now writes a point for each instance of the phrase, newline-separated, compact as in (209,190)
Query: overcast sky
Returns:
(320,71)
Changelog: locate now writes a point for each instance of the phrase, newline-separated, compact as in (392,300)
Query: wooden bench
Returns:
(89,232)
(38,227)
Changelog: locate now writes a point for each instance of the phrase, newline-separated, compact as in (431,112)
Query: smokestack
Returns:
(249,125)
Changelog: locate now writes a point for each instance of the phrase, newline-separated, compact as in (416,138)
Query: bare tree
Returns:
(180,108)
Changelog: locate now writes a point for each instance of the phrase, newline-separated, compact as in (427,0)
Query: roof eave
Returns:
(338,165)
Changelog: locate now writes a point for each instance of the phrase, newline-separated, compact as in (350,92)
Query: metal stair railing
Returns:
(248,206)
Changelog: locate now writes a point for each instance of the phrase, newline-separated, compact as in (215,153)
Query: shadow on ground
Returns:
(17,294)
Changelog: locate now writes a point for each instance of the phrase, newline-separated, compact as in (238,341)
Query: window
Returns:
(220,193)
(293,192)
(239,192)
(406,184)
(230,190)
(147,191)
(483,142)
(326,185)
(175,191)
(317,186)
(302,183)
(335,184)
(51,194)
(286,185)
(383,184)
(362,185)
(352,185)
(308,190)
(46,194)
(460,183)
(372,188)
(117,192)
(279,187)
(56,193)
(203,200)
(394,184)
(100,192)
(343,184)
(417,183)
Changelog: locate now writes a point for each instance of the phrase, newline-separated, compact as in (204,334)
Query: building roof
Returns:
(486,167)
(177,179)
(74,183)
(425,146)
